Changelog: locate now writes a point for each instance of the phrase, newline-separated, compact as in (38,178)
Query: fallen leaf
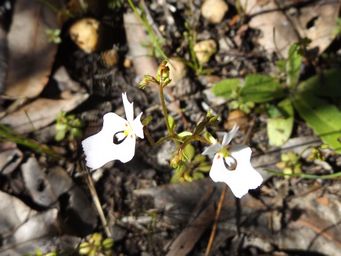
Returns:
(284,24)
(13,212)
(266,221)
(30,54)
(10,157)
(137,38)
(41,112)
(37,184)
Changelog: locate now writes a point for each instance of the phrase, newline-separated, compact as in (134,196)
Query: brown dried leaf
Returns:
(41,112)
(284,23)
(30,54)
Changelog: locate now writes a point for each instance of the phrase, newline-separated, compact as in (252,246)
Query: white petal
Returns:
(240,180)
(97,150)
(126,150)
(211,150)
(128,107)
(100,149)
(138,127)
(113,123)
(218,170)
(230,135)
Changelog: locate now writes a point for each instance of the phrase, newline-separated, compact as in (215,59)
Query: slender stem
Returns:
(216,218)
(164,110)
(307,176)
(96,201)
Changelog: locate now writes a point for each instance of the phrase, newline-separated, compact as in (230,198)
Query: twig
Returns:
(216,218)
(96,201)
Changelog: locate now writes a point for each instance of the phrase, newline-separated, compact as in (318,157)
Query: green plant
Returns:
(96,245)
(290,163)
(115,4)
(155,41)
(312,99)
(185,162)
(193,166)
(67,126)
(7,133)
(191,38)
(53,35)
(337,30)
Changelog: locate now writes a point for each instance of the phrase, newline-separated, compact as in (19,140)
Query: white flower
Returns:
(116,140)
(232,166)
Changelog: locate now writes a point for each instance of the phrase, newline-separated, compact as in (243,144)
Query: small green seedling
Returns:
(53,36)
(67,127)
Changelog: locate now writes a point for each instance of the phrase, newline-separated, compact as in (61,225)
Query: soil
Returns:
(134,195)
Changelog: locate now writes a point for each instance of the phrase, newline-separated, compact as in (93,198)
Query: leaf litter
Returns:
(46,203)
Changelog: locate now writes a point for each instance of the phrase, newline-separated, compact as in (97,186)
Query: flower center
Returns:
(231,165)
(120,136)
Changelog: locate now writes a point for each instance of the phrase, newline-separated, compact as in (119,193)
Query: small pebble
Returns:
(204,50)
(214,10)
(177,69)
(85,34)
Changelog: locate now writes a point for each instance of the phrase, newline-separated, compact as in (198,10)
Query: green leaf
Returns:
(293,65)
(177,174)
(171,122)
(279,129)
(184,134)
(260,88)
(60,135)
(322,117)
(188,152)
(227,88)
(326,84)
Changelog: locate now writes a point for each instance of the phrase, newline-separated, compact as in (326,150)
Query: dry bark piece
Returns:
(41,113)
(281,28)
(30,54)
(214,10)
(85,34)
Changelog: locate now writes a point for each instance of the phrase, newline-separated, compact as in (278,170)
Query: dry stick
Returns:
(96,201)
(216,218)
(220,203)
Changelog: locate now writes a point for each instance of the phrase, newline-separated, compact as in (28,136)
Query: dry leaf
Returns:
(37,184)
(281,27)
(13,212)
(137,38)
(10,157)
(30,54)
(305,216)
(41,113)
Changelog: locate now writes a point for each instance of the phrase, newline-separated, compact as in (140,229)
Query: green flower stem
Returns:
(164,110)
(307,176)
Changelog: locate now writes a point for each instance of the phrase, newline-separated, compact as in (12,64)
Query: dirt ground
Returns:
(48,66)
